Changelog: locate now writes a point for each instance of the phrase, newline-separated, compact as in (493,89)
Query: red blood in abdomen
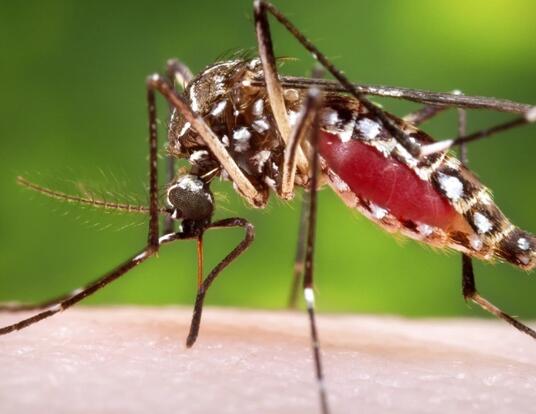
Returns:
(386,182)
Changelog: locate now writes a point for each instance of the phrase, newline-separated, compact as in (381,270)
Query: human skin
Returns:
(134,360)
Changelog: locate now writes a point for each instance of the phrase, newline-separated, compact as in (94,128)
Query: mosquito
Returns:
(238,120)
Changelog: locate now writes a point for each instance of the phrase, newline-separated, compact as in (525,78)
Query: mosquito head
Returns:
(190,199)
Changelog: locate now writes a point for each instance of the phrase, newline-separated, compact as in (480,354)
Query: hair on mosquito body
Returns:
(238,120)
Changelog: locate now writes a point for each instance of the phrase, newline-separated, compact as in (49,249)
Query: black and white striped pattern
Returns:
(489,234)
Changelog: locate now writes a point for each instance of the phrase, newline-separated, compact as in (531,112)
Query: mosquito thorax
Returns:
(239,113)
(190,199)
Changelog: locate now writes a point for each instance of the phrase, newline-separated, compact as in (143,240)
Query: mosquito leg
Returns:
(153,170)
(428,112)
(443,100)
(299,261)
(308,284)
(245,187)
(153,243)
(261,7)
(470,293)
(264,40)
(431,110)
(462,127)
(308,125)
(424,114)
(273,86)
(153,236)
(449,100)
(462,138)
(468,278)
(475,136)
(82,293)
(178,73)
(529,112)
(301,130)
(57,304)
(237,251)
(485,133)
(22,307)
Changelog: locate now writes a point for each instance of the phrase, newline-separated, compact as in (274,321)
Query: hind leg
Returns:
(469,290)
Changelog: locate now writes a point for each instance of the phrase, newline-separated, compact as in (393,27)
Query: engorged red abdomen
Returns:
(386,182)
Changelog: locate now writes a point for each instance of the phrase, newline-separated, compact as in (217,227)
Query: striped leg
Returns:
(478,135)
(433,99)
(299,260)
(293,152)
(307,126)
(468,277)
(152,245)
(60,304)
(298,134)
(273,85)
(262,8)
(153,170)
(449,99)
(79,294)
(470,293)
(428,112)
(528,117)
(424,114)
(308,283)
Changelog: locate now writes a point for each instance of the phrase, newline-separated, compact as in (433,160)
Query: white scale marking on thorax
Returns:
(218,108)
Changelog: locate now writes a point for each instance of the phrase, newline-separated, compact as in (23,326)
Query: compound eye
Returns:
(191,198)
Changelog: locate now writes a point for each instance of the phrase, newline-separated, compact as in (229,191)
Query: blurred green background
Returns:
(73,104)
